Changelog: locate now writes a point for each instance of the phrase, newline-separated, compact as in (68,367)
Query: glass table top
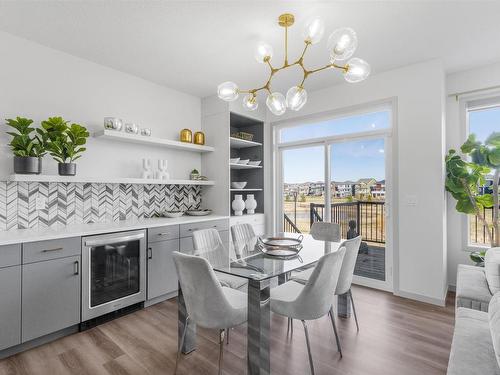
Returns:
(245,259)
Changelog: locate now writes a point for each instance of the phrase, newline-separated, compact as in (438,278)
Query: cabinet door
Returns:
(162,276)
(10,306)
(51,296)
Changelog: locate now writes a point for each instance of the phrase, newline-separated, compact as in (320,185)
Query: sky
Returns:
(349,160)
(353,160)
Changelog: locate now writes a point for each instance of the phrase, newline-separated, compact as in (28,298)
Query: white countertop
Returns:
(77,230)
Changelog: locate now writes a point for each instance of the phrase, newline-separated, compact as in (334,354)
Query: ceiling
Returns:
(193,46)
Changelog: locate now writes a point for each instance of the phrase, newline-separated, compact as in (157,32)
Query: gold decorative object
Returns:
(199,138)
(341,45)
(186,136)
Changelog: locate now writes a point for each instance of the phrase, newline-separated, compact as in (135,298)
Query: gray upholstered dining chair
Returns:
(312,300)
(208,304)
(243,237)
(325,231)
(346,272)
(207,240)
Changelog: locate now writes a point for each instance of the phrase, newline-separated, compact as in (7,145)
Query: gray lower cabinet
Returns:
(162,276)
(10,306)
(50,296)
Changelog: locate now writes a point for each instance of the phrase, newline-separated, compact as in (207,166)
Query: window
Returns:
(483,118)
(365,122)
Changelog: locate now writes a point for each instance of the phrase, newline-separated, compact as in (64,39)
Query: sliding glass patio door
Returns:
(342,178)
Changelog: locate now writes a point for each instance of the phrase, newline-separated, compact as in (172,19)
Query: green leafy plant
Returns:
(27,141)
(467,172)
(64,142)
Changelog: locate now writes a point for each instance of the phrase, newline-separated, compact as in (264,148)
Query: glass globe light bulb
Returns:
(228,91)
(296,97)
(313,31)
(342,43)
(357,70)
(263,52)
(250,102)
(276,103)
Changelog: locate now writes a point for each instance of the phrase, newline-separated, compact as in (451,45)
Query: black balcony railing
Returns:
(477,231)
(288,225)
(365,218)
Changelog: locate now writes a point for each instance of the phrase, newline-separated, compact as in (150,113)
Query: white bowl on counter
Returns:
(172,214)
(239,185)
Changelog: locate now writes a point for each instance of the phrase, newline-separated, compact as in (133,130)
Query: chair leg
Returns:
(227,336)
(354,310)
(181,344)
(221,349)
(308,347)
(335,331)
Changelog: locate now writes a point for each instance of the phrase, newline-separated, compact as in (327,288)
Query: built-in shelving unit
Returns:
(243,149)
(102,180)
(244,166)
(242,143)
(151,141)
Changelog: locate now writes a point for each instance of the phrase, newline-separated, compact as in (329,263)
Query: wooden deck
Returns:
(397,336)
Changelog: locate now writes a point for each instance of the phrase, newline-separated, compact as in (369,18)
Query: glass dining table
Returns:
(245,259)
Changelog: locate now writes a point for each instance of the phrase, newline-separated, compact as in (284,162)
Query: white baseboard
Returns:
(422,298)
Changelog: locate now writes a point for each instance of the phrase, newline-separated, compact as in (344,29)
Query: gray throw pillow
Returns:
(492,269)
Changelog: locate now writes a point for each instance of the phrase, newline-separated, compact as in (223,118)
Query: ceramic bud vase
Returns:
(162,170)
(250,204)
(147,172)
(238,205)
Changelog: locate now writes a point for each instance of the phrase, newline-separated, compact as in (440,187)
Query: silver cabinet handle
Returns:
(163,234)
(76,266)
(150,253)
(49,250)
(195,229)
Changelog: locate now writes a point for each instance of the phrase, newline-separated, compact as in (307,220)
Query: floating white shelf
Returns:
(102,180)
(246,189)
(244,166)
(153,141)
(241,143)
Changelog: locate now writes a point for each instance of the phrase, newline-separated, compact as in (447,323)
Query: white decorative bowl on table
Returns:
(239,185)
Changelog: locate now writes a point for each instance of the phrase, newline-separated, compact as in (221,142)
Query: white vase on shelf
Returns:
(147,172)
(162,173)
(250,204)
(238,205)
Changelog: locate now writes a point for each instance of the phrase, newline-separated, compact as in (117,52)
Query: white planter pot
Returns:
(250,204)
(238,205)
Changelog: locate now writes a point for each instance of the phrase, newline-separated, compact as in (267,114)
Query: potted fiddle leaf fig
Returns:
(466,173)
(27,145)
(65,143)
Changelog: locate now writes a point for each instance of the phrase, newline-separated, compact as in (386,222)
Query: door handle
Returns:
(150,253)
(76,268)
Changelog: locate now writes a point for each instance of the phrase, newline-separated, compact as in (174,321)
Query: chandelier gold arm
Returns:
(286,20)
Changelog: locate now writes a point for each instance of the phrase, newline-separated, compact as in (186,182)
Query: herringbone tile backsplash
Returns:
(76,203)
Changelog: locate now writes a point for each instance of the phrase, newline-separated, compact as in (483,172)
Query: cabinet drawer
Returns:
(188,229)
(257,219)
(53,249)
(10,255)
(187,246)
(163,233)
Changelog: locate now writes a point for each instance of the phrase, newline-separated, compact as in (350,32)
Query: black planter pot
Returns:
(27,165)
(67,169)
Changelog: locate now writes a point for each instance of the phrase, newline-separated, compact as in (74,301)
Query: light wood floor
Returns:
(397,336)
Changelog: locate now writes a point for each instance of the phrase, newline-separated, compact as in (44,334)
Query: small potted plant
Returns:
(65,143)
(28,149)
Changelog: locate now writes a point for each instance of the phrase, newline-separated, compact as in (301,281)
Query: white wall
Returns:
(418,151)
(38,82)
(471,80)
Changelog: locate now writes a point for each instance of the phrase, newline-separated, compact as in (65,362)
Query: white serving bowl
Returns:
(239,185)
(244,161)
(234,160)
(172,214)
(255,162)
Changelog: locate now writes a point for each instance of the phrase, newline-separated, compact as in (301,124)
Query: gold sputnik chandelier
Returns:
(341,45)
